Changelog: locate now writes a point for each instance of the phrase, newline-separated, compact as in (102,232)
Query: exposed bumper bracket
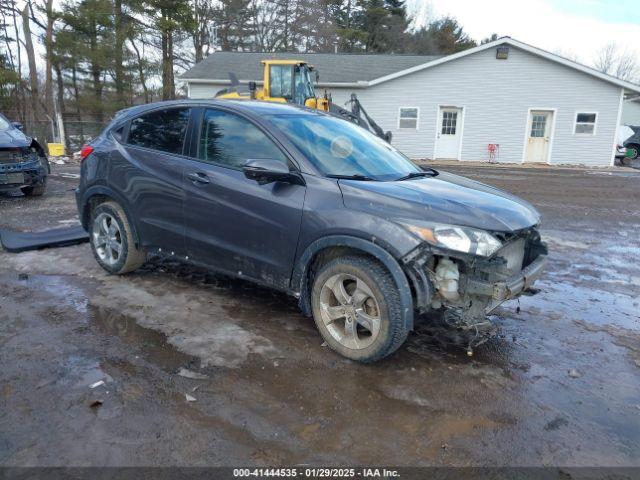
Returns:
(505,289)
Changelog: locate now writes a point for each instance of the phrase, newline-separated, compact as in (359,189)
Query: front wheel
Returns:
(35,190)
(357,308)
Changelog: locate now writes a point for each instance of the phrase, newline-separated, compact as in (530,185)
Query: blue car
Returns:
(310,204)
(23,162)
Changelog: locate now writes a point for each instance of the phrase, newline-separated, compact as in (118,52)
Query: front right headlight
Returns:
(460,239)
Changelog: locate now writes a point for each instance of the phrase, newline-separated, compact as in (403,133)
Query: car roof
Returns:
(255,106)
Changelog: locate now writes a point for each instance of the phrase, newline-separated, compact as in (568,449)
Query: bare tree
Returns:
(621,64)
(627,67)
(606,58)
(31,57)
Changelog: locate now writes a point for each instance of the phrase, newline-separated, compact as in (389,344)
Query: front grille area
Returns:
(513,253)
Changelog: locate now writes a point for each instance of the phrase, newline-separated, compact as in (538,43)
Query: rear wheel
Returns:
(357,309)
(112,242)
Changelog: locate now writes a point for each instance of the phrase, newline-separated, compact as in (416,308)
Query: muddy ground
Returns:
(559,385)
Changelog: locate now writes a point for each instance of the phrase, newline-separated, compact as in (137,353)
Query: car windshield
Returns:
(4,123)
(339,148)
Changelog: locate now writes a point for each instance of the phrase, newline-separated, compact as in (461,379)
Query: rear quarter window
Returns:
(162,130)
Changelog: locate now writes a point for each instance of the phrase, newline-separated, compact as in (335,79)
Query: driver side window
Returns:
(229,140)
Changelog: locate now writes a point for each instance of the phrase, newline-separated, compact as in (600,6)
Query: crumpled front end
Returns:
(473,285)
(20,167)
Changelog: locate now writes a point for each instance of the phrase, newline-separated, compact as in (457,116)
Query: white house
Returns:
(521,102)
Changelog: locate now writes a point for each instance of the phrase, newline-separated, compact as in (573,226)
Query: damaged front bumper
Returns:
(16,175)
(512,287)
(481,283)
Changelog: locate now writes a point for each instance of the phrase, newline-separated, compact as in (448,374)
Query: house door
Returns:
(539,138)
(449,132)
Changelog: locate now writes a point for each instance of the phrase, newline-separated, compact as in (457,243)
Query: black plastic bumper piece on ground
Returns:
(15,242)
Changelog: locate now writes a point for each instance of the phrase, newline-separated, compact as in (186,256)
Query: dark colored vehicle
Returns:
(23,162)
(631,146)
(308,204)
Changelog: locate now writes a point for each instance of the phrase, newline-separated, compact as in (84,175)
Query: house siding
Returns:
(496,96)
(631,113)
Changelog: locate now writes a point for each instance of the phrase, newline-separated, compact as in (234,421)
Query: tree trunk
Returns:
(118,55)
(33,73)
(143,81)
(48,43)
(168,91)
(96,73)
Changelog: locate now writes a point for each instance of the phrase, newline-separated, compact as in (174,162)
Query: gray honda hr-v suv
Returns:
(308,204)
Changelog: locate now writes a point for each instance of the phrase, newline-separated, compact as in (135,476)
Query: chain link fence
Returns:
(77,130)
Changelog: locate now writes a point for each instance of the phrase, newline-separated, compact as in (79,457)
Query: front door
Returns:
(233,223)
(449,132)
(538,140)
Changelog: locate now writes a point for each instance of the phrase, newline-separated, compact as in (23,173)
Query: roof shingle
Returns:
(334,68)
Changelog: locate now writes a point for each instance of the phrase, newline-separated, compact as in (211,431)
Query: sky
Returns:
(574,28)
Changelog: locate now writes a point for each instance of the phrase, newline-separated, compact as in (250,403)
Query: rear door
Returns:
(148,170)
(233,223)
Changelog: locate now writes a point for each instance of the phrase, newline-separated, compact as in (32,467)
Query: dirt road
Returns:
(560,385)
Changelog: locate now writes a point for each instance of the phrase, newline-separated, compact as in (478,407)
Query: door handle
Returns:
(198,177)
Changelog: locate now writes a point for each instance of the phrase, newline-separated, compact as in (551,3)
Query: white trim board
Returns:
(615,132)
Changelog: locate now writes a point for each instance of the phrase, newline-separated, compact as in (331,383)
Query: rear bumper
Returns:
(511,287)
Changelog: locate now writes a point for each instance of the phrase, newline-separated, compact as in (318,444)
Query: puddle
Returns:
(590,305)
(152,344)
(60,287)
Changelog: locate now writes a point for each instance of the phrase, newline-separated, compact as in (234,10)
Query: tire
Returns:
(636,151)
(349,324)
(35,190)
(111,240)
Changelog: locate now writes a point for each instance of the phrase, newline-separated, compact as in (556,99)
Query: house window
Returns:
(585,123)
(408,118)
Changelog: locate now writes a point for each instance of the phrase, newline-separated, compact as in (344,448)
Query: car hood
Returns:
(446,198)
(12,137)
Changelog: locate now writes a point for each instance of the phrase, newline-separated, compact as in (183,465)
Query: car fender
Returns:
(299,276)
(104,190)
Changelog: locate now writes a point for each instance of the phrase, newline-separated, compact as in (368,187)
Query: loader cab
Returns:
(289,81)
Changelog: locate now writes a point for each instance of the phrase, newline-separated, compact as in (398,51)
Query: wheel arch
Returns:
(330,247)
(99,194)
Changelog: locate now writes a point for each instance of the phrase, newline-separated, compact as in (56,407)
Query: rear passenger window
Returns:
(229,140)
(162,130)
(117,133)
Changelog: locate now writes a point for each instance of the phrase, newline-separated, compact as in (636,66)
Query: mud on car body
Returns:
(311,205)
(23,162)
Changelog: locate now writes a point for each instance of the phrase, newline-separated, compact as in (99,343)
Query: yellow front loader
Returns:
(292,81)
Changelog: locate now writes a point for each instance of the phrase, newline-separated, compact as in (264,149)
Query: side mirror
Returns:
(17,125)
(264,170)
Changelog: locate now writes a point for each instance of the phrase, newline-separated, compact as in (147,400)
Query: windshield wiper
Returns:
(425,173)
(357,176)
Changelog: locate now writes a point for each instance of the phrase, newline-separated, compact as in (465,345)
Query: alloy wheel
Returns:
(107,238)
(350,311)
